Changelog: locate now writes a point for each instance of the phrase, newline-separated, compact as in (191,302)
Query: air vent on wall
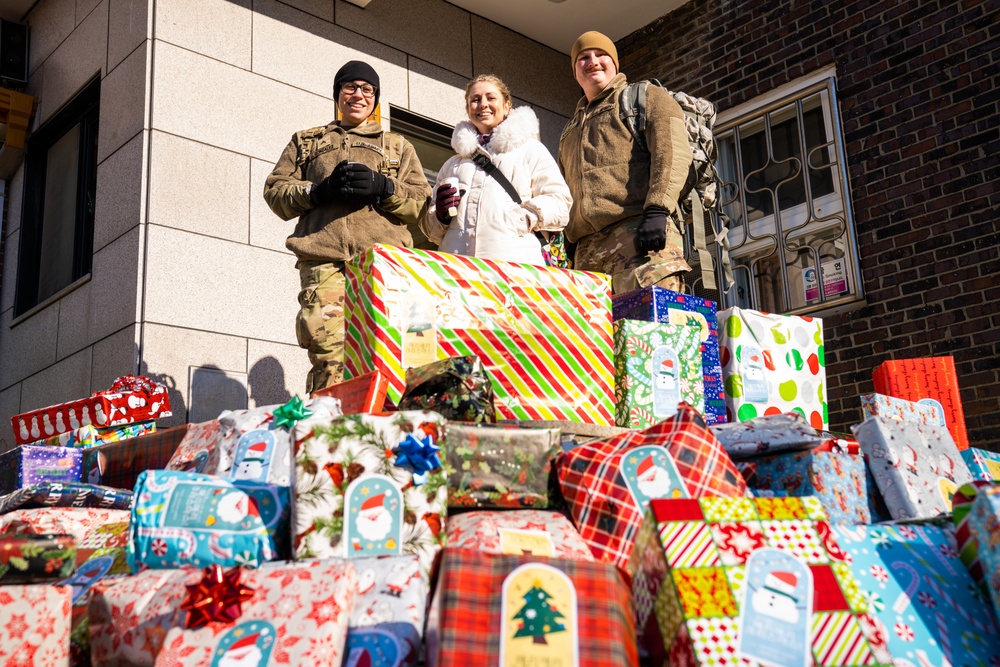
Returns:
(13,52)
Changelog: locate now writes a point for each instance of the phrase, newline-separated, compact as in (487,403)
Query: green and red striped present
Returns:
(543,334)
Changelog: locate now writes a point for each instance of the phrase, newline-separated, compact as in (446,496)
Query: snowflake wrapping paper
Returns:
(773,364)
(298,615)
(543,334)
(656,367)
(984,527)
(923,600)
(503,466)
(916,467)
(539,532)
(655,304)
(470,620)
(600,480)
(330,457)
(28,465)
(181,518)
(387,625)
(932,381)
(35,625)
(692,578)
(837,479)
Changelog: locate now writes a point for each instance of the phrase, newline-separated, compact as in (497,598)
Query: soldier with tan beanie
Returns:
(624,216)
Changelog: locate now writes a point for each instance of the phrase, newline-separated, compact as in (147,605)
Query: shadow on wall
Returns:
(267,383)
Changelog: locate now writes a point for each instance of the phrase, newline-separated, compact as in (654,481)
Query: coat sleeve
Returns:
(550,199)
(412,194)
(669,150)
(429,224)
(285,191)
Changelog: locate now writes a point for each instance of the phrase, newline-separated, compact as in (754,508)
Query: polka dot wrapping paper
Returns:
(773,364)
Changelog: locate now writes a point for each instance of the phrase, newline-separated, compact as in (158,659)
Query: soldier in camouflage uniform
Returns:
(351,185)
(625,211)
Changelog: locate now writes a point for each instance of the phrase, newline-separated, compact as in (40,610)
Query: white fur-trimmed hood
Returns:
(520,127)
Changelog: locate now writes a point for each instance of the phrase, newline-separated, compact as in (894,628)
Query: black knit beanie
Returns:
(355,70)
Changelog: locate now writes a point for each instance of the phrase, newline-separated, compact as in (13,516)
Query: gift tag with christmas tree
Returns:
(650,473)
(373,517)
(539,618)
(775,626)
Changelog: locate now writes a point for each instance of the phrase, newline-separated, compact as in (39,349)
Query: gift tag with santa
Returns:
(249,644)
(373,517)
(776,615)
(650,473)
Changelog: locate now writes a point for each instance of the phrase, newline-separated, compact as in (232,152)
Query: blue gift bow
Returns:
(421,455)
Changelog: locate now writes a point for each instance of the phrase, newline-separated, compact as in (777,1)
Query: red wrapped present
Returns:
(608,483)
(362,394)
(510,610)
(930,381)
(130,399)
(34,625)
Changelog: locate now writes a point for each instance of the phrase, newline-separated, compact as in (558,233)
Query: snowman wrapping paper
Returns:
(695,587)
(773,364)
(657,366)
(357,496)
(181,518)
(298,615)
(387,624)
(923,600)
(916,467)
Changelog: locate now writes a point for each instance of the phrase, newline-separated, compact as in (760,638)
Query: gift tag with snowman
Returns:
(258,458)
(754,381)
(373,517)
(650,473)
(776,615)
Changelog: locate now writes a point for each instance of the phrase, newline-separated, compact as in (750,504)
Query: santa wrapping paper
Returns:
(184,518)
(282,613)
(737,580)
(517,532)
(514,610)
(387,625)
(370,486)
(770,434)
(607,484)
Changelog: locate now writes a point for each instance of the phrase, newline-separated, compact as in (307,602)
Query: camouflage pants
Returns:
(612,251)
(319,325)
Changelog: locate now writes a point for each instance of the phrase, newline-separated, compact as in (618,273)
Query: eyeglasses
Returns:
(367,90)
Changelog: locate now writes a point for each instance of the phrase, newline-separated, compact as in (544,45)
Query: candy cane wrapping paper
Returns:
(543,334)
(920,593)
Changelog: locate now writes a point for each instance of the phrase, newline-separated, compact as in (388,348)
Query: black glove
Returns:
(447,197)
(324,192)
(651,234)
(357,180)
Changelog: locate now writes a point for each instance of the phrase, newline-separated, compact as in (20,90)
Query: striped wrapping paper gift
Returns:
(543,334)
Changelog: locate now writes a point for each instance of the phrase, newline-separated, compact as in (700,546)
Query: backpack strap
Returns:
(484,162)
(632,111)
(392,153)
(308,141)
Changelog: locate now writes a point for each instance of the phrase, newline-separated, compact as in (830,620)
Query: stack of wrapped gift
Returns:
(931,381)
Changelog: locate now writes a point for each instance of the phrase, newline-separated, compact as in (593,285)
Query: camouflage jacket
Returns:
(342,229)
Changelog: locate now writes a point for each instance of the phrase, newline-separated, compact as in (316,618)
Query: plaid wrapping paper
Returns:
(929,380)
(464,621)
(498,466)
(34,625)
(603,508)
(693,579)
(118,464)
(543,334)
(483,531)
(66,495)
(655,304)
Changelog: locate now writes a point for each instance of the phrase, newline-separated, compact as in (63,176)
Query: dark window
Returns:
(57,228)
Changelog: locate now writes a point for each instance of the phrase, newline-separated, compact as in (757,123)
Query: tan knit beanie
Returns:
(593,40)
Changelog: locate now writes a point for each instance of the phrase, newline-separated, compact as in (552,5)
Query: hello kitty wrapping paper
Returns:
(130,399)
(298,615)
(917,467)
(387,624)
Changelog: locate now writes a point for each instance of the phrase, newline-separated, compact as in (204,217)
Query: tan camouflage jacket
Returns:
(611,178)
(341,229)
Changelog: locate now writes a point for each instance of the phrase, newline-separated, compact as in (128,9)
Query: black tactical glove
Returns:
(324,192)
(651,234)
(357,180)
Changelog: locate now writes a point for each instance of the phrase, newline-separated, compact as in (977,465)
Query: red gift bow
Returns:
(217,598)
(129,383)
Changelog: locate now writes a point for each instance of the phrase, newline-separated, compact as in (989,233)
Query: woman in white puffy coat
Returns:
(487,222)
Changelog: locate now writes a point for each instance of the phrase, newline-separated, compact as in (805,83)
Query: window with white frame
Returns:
(791,234)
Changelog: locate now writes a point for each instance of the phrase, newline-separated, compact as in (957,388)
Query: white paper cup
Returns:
(453,182)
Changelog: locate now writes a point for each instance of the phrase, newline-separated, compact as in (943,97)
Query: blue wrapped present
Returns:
(655,304)
(182,518)
(982,464)
(919,595)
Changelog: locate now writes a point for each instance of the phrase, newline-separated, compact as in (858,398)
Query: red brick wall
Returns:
(918,92)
